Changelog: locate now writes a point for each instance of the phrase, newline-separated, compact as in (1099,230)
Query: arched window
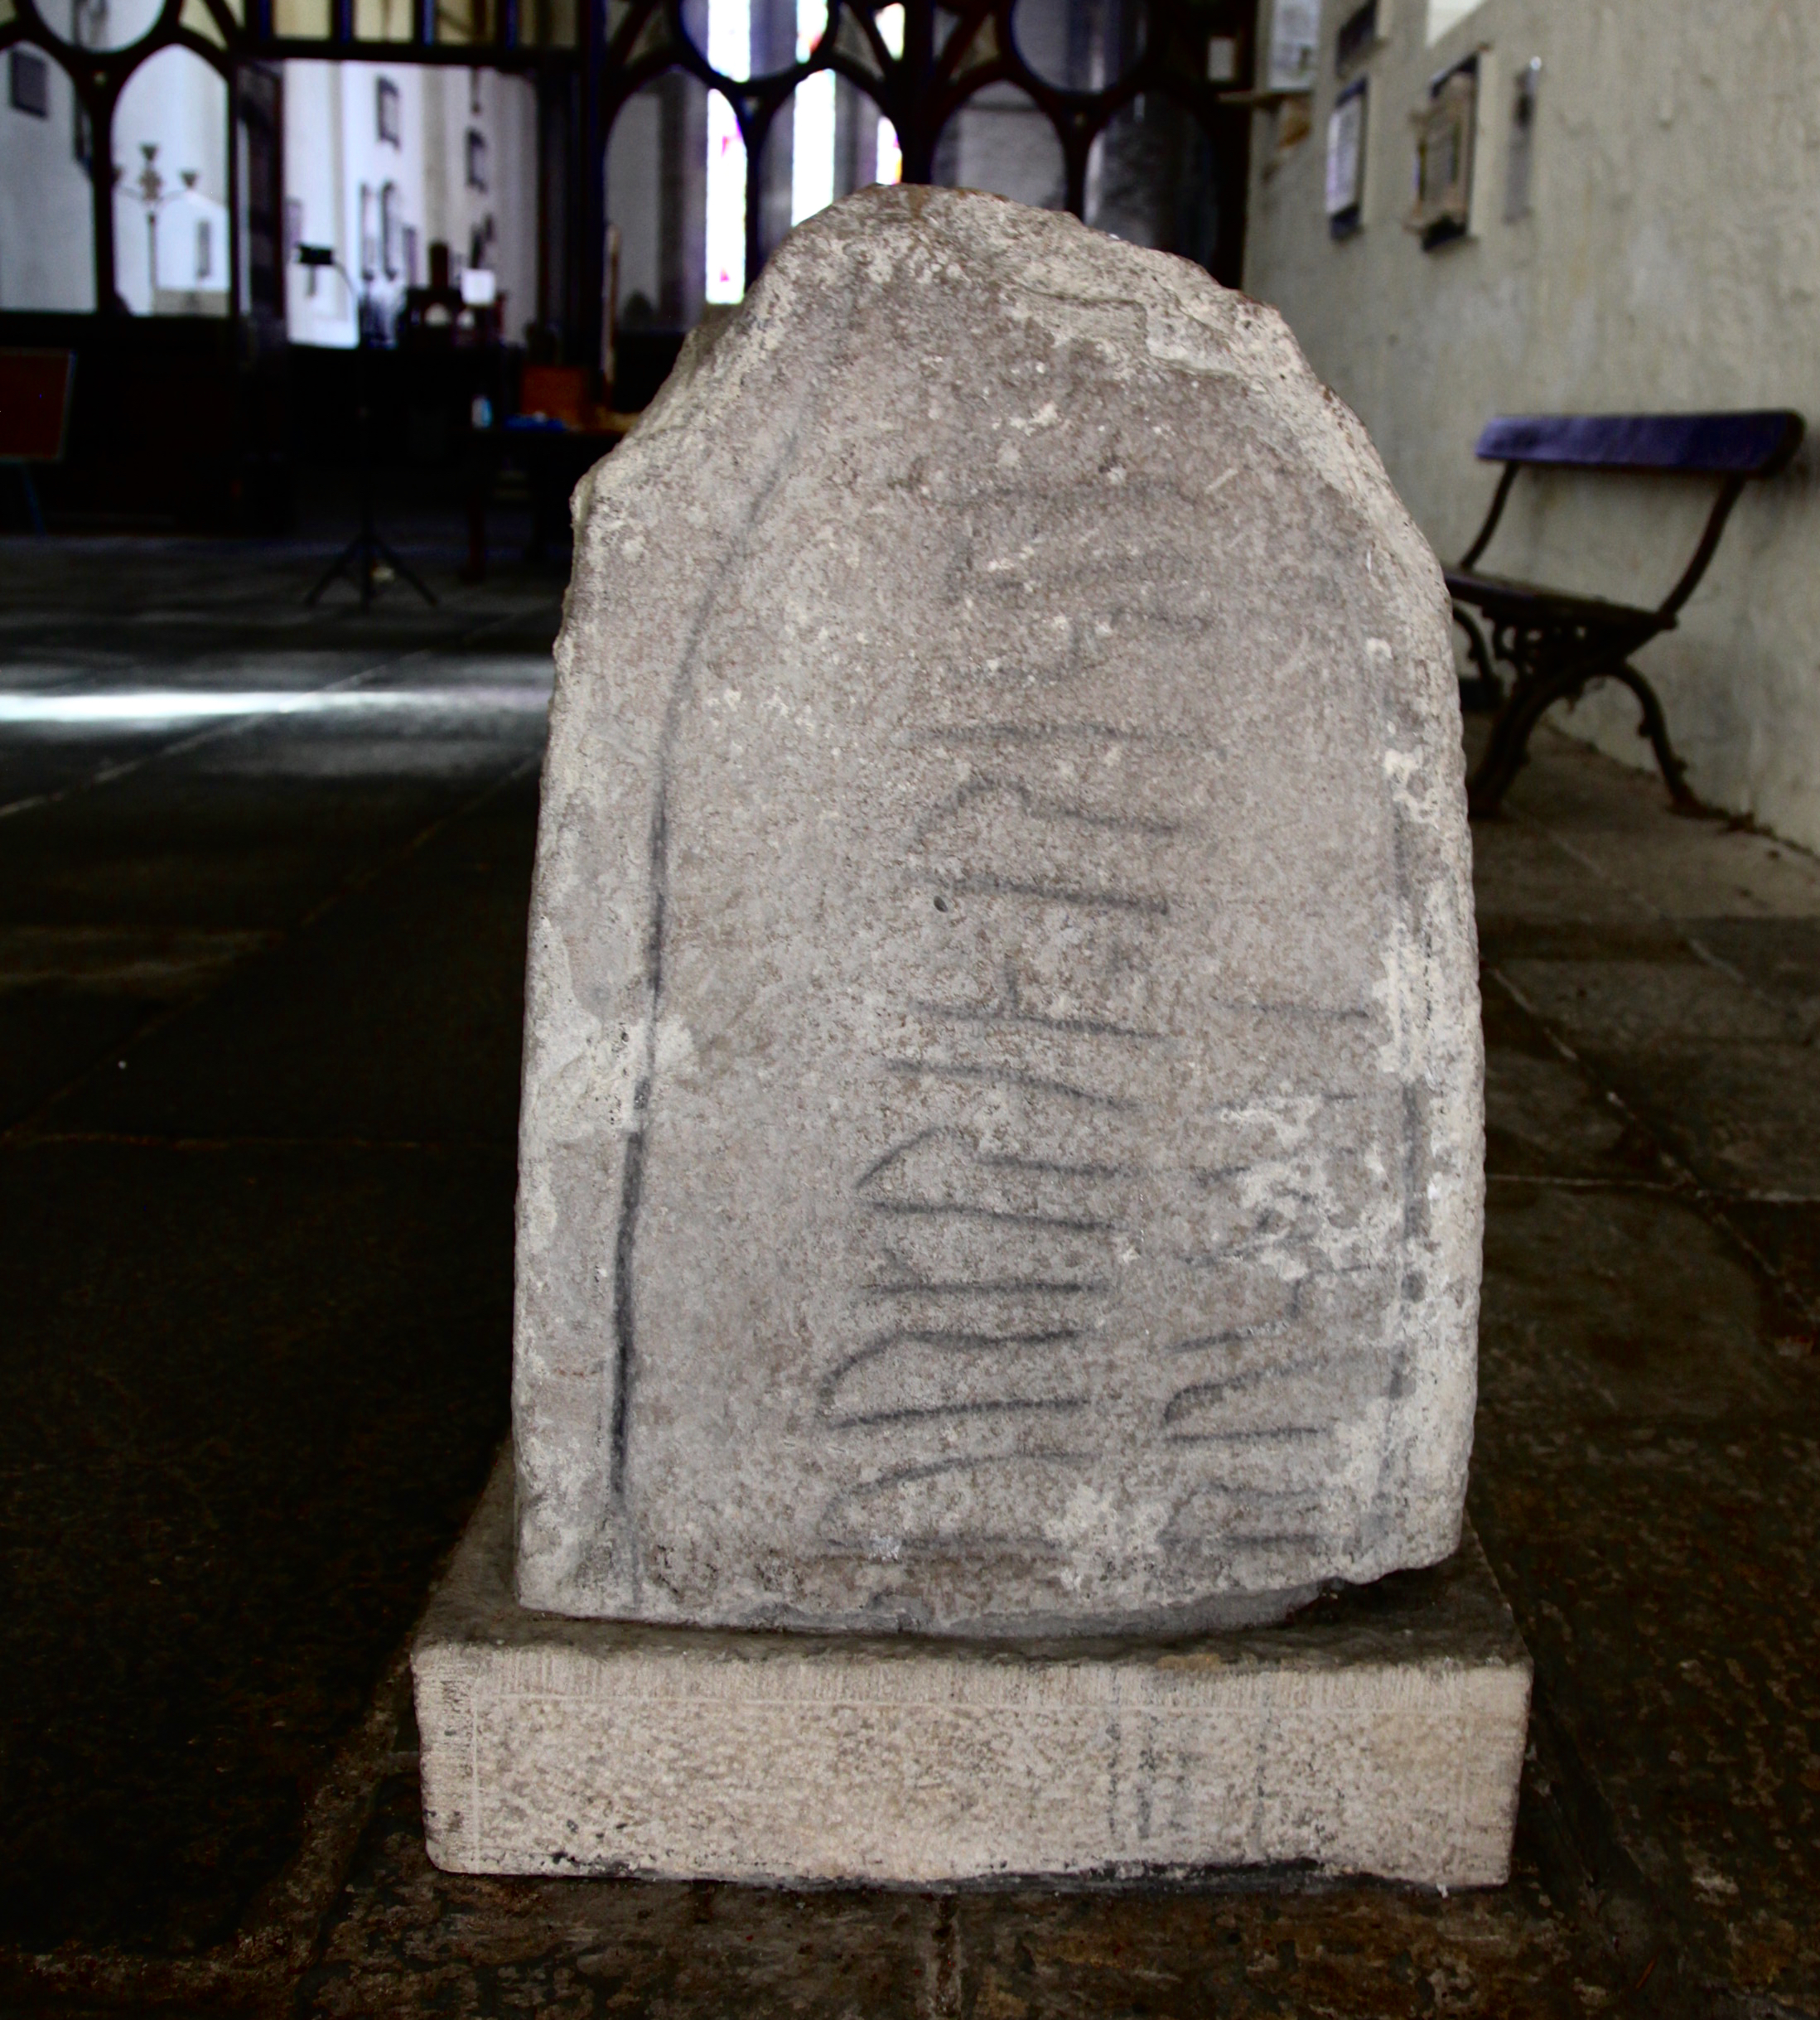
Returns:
(170,197)
(1114,107)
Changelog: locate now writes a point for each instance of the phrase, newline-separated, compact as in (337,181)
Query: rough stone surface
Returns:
(1002,1147)
(1386,1738)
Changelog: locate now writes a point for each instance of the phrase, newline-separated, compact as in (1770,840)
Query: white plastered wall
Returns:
(503,110)
(332,146)
(319,309)
(1671,259)
(46,205)
(178,103)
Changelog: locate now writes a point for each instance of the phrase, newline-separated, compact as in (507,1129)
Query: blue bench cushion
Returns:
(1746,444)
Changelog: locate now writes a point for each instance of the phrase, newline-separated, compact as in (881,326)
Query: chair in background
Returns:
(34,389)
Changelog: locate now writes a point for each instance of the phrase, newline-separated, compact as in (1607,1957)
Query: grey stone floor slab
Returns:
(410,1941)
(1783,1236)
(1526,876)
(1742,1116)
(1779,956)
(258,1063)
(1623,1005)
(328,1036)
(1540,1119)
(1692,869)
(1614,1303)
(247,1393)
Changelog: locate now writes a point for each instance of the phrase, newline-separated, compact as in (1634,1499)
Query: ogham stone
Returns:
(1002,1148)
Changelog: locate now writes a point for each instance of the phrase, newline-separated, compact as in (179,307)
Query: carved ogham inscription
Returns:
(1031,1223)
(1001,1146)
(993,1232)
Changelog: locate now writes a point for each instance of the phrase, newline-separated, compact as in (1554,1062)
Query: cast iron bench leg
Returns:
(1535,694)
(1654,725)
(1480,654)
(1509,749)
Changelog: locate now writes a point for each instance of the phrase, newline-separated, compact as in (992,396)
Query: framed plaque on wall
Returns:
(1346,160)
(1445,127)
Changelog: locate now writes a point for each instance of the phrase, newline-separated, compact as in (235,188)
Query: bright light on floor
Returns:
(812,121)
(729,50)
(160,706)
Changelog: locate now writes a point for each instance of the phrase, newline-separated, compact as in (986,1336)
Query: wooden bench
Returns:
(1557,644)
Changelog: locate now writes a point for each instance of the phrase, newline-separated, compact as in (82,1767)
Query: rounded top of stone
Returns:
(1139,309)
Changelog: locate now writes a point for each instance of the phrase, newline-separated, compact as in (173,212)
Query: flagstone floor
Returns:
(263,884)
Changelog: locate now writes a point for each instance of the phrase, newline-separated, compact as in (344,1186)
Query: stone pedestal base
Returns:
(1380,1732)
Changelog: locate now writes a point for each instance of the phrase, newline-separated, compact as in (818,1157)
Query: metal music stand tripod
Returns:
(366,550)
